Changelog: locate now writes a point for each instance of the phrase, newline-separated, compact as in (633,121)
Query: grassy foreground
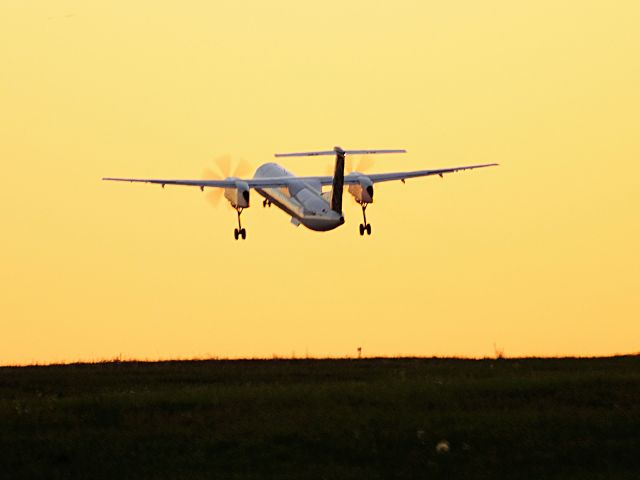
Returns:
(332,419)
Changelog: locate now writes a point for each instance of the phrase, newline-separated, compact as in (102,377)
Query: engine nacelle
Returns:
(363,190)
(239,196)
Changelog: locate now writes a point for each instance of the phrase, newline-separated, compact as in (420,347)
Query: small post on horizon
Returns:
(359,353)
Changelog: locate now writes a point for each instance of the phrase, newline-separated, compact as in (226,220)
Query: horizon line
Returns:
(275,358)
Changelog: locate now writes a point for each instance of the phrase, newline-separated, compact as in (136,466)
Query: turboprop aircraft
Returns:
(302,197)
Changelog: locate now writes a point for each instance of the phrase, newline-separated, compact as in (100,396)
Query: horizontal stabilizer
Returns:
(335,151)
(368,152)
(305,154)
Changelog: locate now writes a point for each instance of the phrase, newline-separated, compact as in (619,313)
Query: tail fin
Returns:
(338,181)
(338,174)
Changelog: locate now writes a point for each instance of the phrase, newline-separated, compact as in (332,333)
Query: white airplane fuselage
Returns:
(302,199)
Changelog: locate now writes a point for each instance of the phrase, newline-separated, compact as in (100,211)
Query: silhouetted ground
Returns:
(333,419)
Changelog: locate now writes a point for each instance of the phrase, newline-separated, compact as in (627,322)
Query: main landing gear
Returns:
(366,227)
(266,203)
(239,232)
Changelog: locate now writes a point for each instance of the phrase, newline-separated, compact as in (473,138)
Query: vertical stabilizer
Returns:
(338,181)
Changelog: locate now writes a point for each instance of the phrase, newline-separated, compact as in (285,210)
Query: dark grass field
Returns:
(332,419)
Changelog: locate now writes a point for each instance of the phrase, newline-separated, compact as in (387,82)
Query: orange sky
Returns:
(539,255)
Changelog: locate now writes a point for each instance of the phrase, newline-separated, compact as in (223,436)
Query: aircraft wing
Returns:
(276,182)
(163,182)
(387,177)
(354,178)
(227,183)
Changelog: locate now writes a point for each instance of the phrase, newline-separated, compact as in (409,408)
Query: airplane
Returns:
(302,197)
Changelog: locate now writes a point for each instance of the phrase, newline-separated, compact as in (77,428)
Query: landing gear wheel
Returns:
(365,227)
(239,232)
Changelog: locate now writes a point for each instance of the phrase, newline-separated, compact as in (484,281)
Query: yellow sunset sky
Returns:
(539,255)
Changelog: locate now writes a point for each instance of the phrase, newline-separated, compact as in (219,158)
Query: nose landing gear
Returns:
(239,232)
(365,227)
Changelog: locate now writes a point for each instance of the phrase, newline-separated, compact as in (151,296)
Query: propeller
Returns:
(226,167)
(355,163)
(359,163)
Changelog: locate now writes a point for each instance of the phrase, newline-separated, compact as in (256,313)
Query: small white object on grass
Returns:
(443,447)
